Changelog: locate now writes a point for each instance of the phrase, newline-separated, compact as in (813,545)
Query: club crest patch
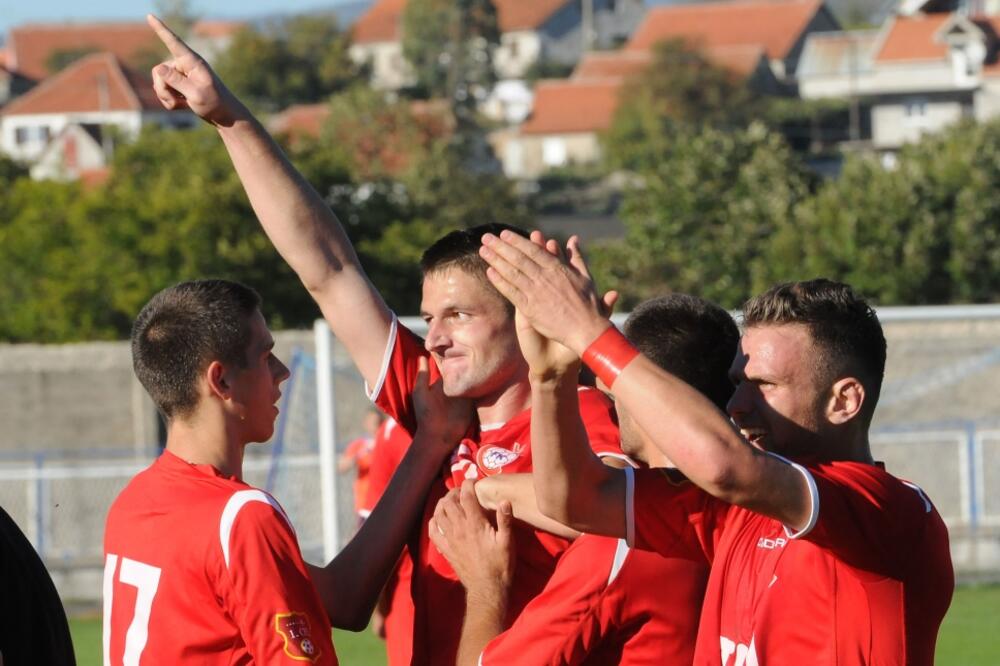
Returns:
(294,629)
(492,459)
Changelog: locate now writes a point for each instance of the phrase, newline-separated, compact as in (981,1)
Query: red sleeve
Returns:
(354,447)
(867,517)
(394,390)
(566,621)
(391,442)
(668,514)
(270,595)
(601,422)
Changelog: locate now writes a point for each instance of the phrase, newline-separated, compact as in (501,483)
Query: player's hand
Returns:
(481,554)
(185,81)
(554,293)
(439,418)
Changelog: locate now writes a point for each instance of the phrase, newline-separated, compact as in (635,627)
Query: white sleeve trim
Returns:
(813,500)
(620,456)
(233,506)
(373,393)
(621,553)
(629,507)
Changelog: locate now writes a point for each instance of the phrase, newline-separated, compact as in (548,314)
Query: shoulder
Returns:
(250,511)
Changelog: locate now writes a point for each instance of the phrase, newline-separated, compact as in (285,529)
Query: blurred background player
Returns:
(818,553)
(357,455)
(471,342)
(393,617)
(605,603)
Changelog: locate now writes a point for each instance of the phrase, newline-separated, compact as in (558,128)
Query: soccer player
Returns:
(393,618)
(605,603)
(471,340)
(199,566)
(819,554)
(358,455)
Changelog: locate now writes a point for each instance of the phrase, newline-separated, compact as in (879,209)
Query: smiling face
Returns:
(780,396)
(255,388)
(470,335)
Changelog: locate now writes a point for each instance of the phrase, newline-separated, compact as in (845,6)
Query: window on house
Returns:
(21,135)
(554,152)
(915,108)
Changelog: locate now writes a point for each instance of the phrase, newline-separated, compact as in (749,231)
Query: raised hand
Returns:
(554,294)
(187,82)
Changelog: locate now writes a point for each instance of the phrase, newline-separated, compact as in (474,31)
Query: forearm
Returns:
(572,485)
(306,233)
(350,584)
(519,491)
(485,609)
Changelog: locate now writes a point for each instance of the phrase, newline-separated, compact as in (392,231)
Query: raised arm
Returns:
(302,227)
(558,299)
(351,583)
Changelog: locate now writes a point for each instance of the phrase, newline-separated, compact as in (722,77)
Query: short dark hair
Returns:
(689,337)
(184,328)
(843,325)
(460,249)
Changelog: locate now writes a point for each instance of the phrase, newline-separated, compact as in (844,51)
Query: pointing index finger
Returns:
(173,43)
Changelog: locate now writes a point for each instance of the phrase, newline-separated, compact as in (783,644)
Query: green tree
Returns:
(301,60)
(450,46)
(700,219)
(680,87)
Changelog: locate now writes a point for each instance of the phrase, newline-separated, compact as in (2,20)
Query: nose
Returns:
(739,403)
(283,371)
(437,336)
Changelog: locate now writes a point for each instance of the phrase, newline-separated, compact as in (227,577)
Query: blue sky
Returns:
(15,12)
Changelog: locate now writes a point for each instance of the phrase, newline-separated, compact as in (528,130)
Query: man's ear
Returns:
(216,380)
(847,397)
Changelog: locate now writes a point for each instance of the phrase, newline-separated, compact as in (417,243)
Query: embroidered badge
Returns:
(492,459)
(294,629)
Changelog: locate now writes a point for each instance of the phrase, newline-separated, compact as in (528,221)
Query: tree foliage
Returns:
(450,46)
(300,60)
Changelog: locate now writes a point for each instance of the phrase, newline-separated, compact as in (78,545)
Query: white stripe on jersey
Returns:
(621,552)
(389,345)
(233,506)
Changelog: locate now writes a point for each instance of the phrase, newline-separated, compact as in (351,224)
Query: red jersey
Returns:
(203,568)
(495,449)
(608,604)
(360,451)
(391,443)
(867,581)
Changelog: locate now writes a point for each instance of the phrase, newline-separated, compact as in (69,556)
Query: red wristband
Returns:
(608,355)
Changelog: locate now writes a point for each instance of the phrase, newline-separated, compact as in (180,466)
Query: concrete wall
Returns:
(895,121)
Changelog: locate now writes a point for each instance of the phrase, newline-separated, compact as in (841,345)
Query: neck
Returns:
(849,444)
(206,441)
(504,405)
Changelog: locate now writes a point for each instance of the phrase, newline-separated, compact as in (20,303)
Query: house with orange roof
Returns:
(569,115)
(556,31)
(32,50)
(919,73)
(62,124)
(778,27)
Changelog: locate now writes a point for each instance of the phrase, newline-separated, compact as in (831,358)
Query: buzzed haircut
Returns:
(460,249)
(689,337)
(842,324)
(181,330)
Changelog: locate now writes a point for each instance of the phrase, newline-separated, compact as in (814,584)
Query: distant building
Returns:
(69,123)
(532,32)
(758,40)
(32,49)
(919,73)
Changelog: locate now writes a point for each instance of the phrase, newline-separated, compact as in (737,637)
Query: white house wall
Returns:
(892,126)
(517,52)
(129,122)
(390,71)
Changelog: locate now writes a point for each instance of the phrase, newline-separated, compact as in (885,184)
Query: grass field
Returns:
(970,635)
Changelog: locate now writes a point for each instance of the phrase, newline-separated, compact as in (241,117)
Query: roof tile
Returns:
(563,106)
(776,25)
